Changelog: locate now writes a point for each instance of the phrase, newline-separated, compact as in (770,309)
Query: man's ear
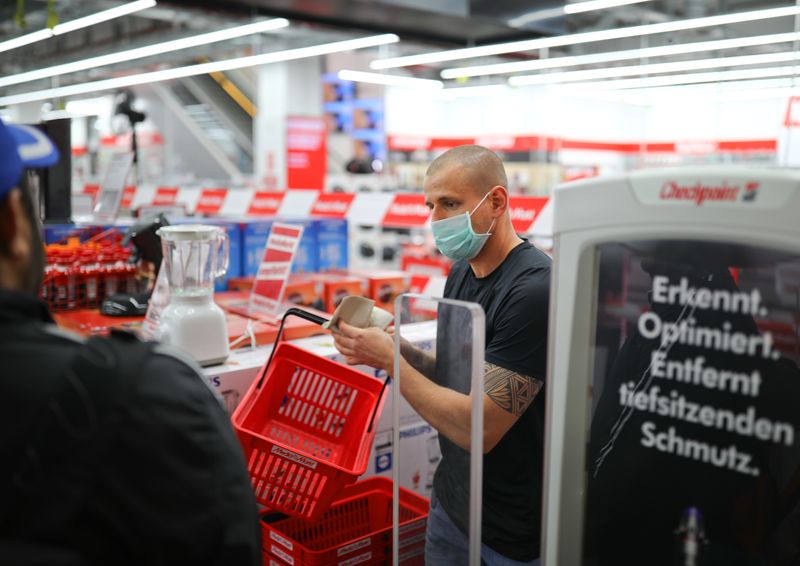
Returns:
(499,200)
(14,242)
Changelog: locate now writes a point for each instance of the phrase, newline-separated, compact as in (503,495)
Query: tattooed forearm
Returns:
(511,391)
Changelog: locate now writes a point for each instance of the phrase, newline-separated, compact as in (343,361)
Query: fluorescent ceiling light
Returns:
(653,68)
(467,91)
(692,78)
(574,8)
(103,16)
(629,54)
(86,21)
(586,37)
(146,51)
(388,80)
(202,69)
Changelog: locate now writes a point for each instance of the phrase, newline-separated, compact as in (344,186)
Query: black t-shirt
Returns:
(173,488)
(515,298)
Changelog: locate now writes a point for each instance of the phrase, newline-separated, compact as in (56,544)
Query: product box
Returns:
(333,244)
(383,287)
(254,235)
(232,379)
(254,240)
(306,259)
(333,287)
(303,291)
(58,233)
(417,458)
(300,290)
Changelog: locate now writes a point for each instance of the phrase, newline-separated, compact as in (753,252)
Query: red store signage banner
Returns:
(211,201)
(165,196)
(306,156)
(265,203)
(407,210)
(127,196)
(332,205)
(524,210)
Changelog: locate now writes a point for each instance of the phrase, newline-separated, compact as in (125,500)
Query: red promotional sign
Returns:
(91,189)
(165,196)
(127,196)
(276,263)
(407,210)
(332,205)
(306,156)
(211,201)
(265,203)
(524,210)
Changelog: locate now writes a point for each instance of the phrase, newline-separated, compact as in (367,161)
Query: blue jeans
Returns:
(446,545)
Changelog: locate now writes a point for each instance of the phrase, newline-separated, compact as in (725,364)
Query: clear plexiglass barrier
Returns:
(437,423)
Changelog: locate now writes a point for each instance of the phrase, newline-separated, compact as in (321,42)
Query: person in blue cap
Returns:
(112,451)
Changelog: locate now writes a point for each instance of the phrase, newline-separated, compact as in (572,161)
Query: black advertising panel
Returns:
(693,456)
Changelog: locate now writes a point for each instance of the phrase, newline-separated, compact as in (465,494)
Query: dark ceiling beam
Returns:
(376,17)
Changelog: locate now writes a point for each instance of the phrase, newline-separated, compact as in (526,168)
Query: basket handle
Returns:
(293,311)
(378,402)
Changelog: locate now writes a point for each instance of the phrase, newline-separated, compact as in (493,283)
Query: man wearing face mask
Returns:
(112,451)
(465,188)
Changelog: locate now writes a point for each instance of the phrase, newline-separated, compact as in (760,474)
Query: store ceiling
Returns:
(423,25)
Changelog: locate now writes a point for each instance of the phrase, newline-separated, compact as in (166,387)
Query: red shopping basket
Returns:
(306,428)
(356,529)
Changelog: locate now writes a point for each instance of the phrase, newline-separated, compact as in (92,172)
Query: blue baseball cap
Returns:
(22,147)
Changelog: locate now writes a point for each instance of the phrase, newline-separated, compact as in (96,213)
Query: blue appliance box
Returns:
(254,239)
(332,243)
(55,233)
(234,231)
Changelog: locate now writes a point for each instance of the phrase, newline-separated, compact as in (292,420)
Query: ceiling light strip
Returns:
(595,58)
(653,68)
(146,51)
(585,37)
(684,79)
(79,23)
(201,69)
(388,80)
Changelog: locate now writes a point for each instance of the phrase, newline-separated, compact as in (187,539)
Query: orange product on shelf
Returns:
(384,287)
(333,287)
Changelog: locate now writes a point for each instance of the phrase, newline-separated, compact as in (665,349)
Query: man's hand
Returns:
(367,346)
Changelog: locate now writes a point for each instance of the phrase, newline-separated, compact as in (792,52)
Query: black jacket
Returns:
(170,488)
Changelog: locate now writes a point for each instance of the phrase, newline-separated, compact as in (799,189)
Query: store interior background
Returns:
(228,129)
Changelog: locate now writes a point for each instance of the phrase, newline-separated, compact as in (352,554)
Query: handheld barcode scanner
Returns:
(673,374)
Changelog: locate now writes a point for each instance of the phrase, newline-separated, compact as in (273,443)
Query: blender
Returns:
(194,256)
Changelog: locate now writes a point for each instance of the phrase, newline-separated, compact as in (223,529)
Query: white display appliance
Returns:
(194,256)
(673,380)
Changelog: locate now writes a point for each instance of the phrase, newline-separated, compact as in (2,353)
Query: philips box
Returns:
(333,246)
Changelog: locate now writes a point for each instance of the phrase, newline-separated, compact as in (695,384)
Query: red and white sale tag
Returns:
(265,203)
(332,205)
(407,210)
(276,264)
(524,210)
(127,196)
(165,196)
(211,201)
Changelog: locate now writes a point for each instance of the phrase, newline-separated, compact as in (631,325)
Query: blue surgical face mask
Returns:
(455,237)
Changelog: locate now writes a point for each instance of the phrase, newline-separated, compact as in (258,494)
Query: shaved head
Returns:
(471,166)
